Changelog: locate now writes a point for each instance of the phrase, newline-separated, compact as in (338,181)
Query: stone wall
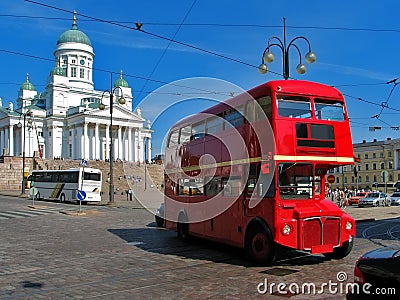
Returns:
(124,174)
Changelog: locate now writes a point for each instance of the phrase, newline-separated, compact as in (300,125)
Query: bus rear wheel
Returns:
(62,198)
(183,231)
(259,246)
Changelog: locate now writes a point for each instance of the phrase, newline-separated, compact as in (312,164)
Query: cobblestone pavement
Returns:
(118,253)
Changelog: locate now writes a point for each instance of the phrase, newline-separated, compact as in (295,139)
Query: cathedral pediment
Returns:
(118,113)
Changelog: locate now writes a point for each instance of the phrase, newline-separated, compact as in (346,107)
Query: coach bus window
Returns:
(266,108)
(198,131)
(295,180)
(329,110)
(294,107)
(173,139)
(185,134)
(214,125)
(92,176)
(212,185)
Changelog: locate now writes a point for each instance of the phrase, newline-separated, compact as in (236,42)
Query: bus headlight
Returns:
(286,229)
(349,225)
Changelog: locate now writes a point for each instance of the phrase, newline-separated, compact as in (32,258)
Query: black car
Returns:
(377,274)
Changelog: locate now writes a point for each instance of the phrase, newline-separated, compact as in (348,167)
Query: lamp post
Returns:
(28,113)
(268,56)
(121,100)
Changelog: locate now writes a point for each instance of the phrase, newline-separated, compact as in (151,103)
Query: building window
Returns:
(88,75)
(367,178)
(389,153)
(366,167)
(70,150)
(381,155)
(74,61)
(359,167)
(366,156)
(73,72)
(382,166)
(374,166)
(374,155)
(337,179)
(390,165)
(82,73)
(49,133)
(345,180)
(375,180)
(398,176)
(70,133)
(390,177)
(352,179)
(359,178)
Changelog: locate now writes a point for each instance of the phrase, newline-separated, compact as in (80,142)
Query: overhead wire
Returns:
(172,40)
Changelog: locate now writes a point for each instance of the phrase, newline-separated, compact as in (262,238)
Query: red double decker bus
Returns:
(250,171)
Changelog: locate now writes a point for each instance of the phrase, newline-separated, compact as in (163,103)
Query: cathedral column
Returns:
(119,149)
(11,140)
(85,145)
(129,156)
(149,149)
(97,141)
(107,142)
(1,140)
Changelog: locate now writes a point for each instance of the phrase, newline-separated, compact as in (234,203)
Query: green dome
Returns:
(74,36)
(58,71)
(27,85)
(121,82)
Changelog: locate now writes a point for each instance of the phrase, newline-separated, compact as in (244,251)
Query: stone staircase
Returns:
(126,175)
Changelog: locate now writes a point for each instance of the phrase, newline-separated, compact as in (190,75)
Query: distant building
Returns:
(66,121)
(378,169)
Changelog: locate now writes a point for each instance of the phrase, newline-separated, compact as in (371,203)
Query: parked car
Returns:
(375,199)
(357,197)
(159,215)
(395,197)
(380,269)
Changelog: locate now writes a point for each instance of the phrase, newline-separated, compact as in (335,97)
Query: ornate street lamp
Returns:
(269,57)
(122,101)
(29,114)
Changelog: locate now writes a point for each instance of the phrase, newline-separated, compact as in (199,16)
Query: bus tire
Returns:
(183,231)
(182,228)
(62,198)
(340,252)
(259,246)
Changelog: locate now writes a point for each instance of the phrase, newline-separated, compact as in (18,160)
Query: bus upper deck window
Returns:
(329,110)
(294,107)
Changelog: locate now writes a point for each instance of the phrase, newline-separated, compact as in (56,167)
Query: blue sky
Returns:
(356,43)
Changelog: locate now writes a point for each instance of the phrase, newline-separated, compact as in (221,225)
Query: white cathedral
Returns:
(70,119)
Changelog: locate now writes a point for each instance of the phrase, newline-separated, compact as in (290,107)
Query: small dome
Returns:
(121,82)
(58,71)
(74,35)
(27,85)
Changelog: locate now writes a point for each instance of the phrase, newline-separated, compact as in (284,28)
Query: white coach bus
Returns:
(63,185)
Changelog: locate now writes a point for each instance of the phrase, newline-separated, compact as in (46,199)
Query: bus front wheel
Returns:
(259,246)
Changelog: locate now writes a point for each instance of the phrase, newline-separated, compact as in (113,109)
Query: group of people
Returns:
(340,196)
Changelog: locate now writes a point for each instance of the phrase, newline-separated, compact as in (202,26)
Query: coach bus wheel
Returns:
(341,252)
(183,231)
(62,198)
(38,196)
(259,246)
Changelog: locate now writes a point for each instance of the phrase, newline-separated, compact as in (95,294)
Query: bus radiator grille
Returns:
(318,231)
